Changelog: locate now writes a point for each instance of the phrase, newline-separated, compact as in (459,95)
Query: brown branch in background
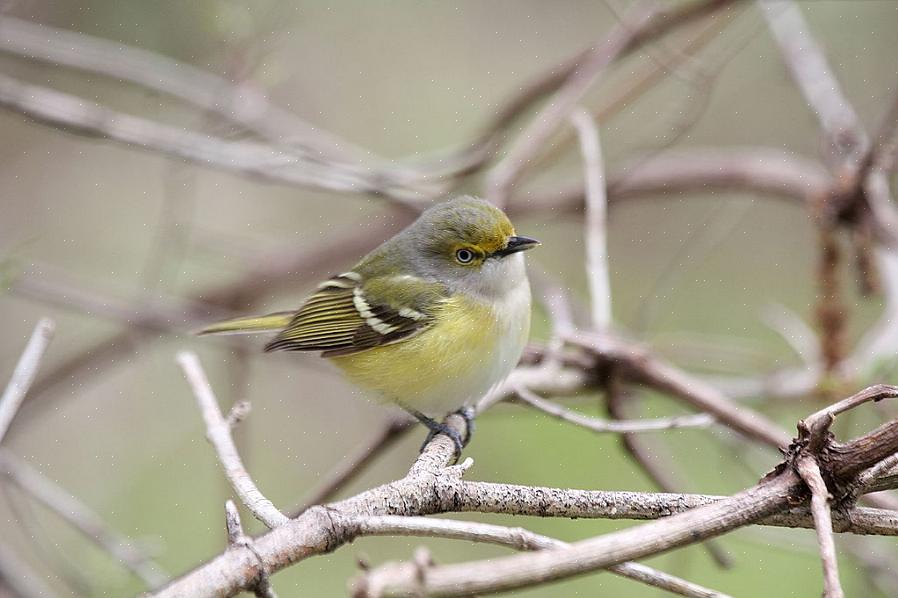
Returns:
(269,274)
(766,171)
(640,450)
(638,365)
(595,424)
(350,468)
(637,28)
(831,313)
(218,431)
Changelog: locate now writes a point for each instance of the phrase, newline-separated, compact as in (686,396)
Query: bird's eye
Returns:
(464,256)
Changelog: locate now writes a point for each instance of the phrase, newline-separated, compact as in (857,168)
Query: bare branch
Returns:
(673,173)
(218,431)
(595,424)
(248,158)
(639,365)
(637,27)
(596,219)
(516,538)
(24,373)
(809,68)
(237,539)
(810,472)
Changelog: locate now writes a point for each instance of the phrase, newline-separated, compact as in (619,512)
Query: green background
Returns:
(404,79)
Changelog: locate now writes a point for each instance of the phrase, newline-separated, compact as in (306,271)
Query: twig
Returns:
(795,331)
(595,424)
(810,472)
(24,373)
(638,27)
(237,539)
(639,365)
(350,468)
(596,219)
(82,518)
(516,538)
(651,461)
(812,74)
(218,431)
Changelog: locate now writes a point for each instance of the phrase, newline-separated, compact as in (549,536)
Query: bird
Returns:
(431,320)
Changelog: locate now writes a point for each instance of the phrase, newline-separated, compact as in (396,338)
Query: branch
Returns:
(237,539)
(639,365)
(24,373)
(595,424)
(671,174)
(432,487)
(810,70)
(596,219)
(349,469)
(218,431)
(636,29)
(516,538)
(810,472)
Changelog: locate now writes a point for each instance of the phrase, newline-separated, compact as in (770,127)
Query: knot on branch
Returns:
(843,465)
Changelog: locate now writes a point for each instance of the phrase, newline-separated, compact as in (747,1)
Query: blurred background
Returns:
(94,234)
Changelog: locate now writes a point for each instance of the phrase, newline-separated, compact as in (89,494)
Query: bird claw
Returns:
(436,428)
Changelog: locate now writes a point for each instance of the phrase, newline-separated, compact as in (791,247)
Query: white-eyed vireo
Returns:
(431,320)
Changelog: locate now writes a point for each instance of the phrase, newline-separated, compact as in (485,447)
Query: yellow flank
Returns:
(443,365)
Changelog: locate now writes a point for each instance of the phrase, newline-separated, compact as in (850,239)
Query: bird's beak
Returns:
(516,244)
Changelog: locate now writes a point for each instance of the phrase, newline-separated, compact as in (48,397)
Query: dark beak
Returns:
(516,244)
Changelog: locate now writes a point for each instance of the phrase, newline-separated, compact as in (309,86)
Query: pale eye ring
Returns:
(464,256)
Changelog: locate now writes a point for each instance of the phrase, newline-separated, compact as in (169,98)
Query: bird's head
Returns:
(471,243)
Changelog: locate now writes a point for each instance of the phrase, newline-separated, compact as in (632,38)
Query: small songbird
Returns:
(432,319)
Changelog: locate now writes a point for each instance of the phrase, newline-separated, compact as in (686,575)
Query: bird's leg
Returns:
(436,427)
(467,414)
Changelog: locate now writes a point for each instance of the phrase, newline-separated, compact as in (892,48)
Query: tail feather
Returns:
(251,325)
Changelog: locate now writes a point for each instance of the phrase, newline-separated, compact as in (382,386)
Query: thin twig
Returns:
(810,472)
(24,373)
(237,539)
(218,431)
(352,467)
(596,219)
(595,424)
(637,27)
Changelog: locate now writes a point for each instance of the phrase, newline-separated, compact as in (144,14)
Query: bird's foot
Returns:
(435,428)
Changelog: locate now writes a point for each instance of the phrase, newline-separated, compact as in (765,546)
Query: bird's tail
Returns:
(251,324)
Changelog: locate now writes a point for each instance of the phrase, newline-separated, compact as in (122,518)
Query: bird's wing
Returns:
(347,315)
